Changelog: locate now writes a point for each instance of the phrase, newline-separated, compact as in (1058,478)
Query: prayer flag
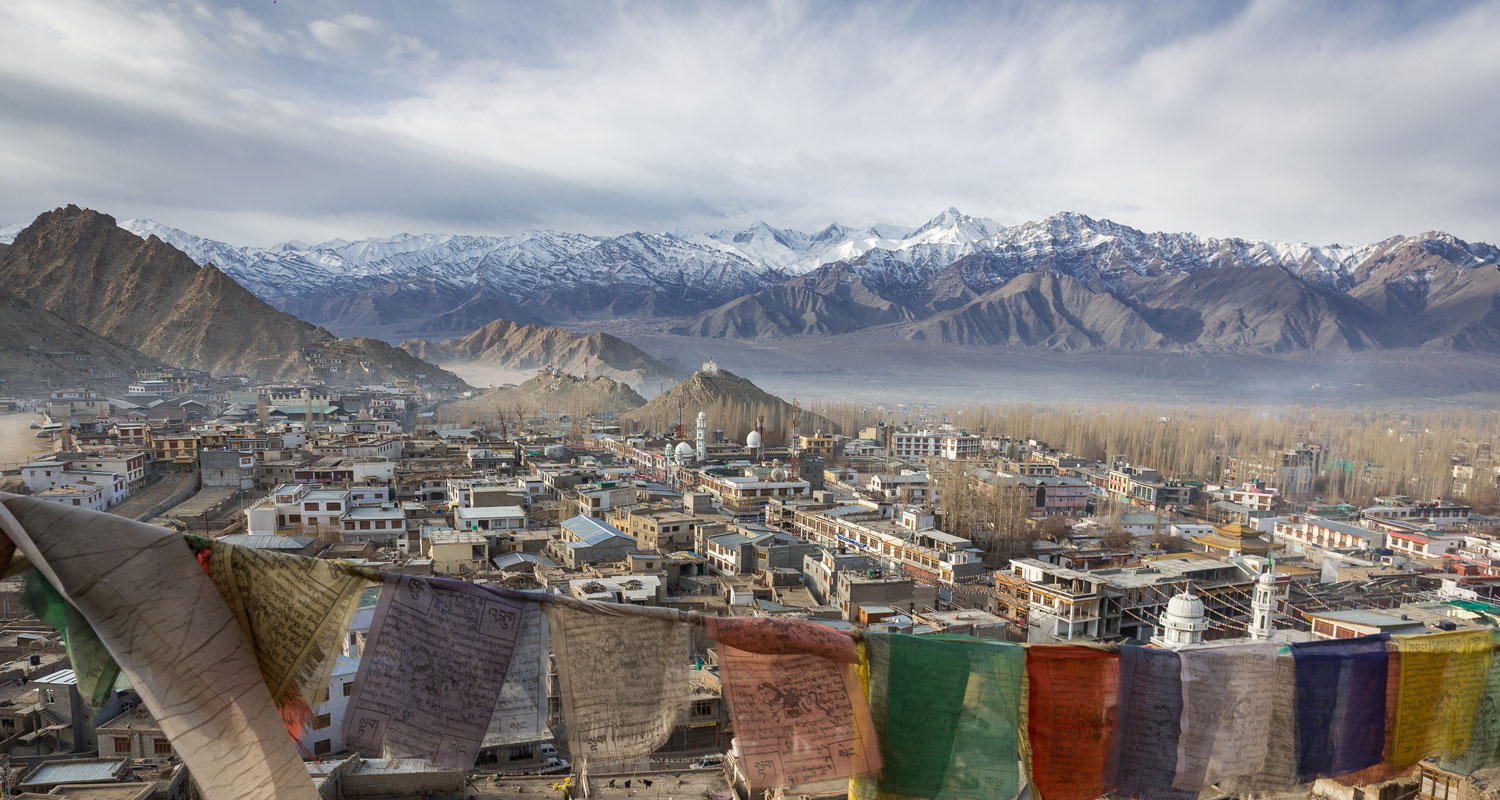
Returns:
(1484,738)
(431,672)
(800,717)
(947,713)
(142,591)
(625,680)
(775,636)
(1074,692)
(1143,757)
(294,610)
(98,674)
(521,714)
(1442,678)
(1340,691)
(1226,713)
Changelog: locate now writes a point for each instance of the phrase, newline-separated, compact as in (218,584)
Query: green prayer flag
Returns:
(946,711)
(98,674)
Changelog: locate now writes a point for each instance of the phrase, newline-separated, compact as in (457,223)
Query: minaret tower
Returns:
(1264,605)
(702,437)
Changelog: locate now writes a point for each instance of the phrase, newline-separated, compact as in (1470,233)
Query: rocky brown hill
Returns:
(503,343)
(548,392)
(732,404)
(38,348)
(147,295)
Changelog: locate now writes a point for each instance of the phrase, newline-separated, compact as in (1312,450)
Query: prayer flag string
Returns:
(225,644)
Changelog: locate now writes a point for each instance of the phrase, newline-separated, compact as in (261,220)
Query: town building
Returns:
(584,540)
(456,552)
(326,733)
(1057,603)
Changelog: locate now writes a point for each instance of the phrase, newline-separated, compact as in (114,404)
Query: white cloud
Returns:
(1274,120)
(344,33)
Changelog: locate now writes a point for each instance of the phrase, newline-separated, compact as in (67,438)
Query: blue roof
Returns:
(66,676)
(591,531)
(512,559)
(97,771)
(267,541)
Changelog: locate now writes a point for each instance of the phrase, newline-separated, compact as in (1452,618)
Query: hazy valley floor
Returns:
(859,368)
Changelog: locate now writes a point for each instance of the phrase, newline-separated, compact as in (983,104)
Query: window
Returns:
(161,747)
(322,747)
(520,752)
(703,708)
(348,687)
(364,524)
(324,720)
(310,507)
(49,696)
(122,744)
(334,506)
(325,695)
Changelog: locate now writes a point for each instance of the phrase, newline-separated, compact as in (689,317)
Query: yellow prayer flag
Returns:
(1442,675)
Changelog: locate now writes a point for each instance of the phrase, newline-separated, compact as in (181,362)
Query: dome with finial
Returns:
(1185,605)
(1183,623)
(753,440)
(684,451)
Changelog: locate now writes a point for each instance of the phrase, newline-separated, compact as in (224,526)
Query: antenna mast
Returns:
(794,456)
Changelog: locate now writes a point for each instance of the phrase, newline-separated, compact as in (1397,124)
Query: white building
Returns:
(1302,533)
(326,734)
(490,518)
(1255,496)
(959,447)
(79,494)
(150,389)
(72,485)
(914,444)
(382,524)
(908,487)
(312,511)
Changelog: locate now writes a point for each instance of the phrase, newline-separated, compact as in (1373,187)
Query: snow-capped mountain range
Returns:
(444,284)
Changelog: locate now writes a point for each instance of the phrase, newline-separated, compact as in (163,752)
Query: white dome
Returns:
(1185,605)
(778,474)
(753,440)
(684,450)
(1267,578)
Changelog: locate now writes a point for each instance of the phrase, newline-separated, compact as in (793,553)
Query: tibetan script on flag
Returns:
(432,669)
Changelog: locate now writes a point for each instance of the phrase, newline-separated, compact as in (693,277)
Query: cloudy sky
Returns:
(265,121)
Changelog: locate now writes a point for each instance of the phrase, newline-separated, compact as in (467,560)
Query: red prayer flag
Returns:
(1074,694)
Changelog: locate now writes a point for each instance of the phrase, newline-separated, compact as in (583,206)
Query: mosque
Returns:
(1185,619)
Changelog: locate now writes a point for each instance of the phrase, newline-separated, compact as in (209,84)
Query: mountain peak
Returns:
(950,216)
(72,214)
